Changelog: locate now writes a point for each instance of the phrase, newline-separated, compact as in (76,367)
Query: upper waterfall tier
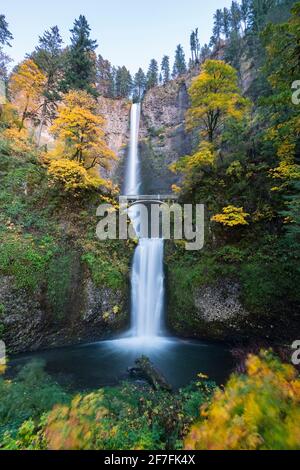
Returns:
(133,183)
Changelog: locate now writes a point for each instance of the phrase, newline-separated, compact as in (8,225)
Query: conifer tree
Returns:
(245,11)
(217,29)
(123,82)
(205,53)
(104,77)
(5,34)
(235,17)
(5,38)
(81,59)
(49,57)
(152,74)
(226,23)
(139,85)
(195,46)
(165,69)
(179,64)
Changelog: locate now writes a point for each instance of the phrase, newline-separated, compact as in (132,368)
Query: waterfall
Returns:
(147,279)
(132,184)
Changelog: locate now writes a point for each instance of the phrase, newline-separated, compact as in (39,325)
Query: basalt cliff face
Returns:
(116,114)
(163,138)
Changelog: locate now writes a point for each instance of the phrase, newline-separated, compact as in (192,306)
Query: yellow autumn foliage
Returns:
(204,157)
(256,411)
(79,130)
(26,87)
(19,139)
(286,170)
(231,217)
(215,98)
(73,176)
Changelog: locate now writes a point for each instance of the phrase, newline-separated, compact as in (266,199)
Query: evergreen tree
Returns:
(152,74)
(81,60)
(5,38)
(104,77)
(217,29)
(112,83)
(245,11)
(179,64)
(205,53)
(123,82)
(226,23)
(5,34)
(259,10)
(235,17)
(49,57)
(165,69)
(195,46)
(139,85)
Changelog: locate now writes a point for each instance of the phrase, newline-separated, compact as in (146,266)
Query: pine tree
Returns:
(195,46)
(235,17)
(81,60)
(205,53)
(104,77)
(226,23)
(179,64)
(165,69)
(139,85)
(5,34)
(49,57)
(5,38)
(245,11)
(152,74)
(123,82)
(217,29)
(112,83)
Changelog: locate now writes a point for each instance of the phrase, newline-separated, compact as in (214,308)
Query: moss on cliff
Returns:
(48,252)
(234,292)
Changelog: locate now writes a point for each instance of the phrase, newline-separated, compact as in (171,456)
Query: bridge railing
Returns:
(152,197)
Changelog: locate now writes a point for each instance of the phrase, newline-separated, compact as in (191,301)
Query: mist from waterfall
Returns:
(147,279)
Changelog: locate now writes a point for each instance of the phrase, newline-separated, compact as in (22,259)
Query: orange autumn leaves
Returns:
(80,139)
(256,411)
(80,148)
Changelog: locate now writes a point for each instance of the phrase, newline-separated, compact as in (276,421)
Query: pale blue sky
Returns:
(128,32)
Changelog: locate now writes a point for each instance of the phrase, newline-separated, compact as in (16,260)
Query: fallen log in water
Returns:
(144,369)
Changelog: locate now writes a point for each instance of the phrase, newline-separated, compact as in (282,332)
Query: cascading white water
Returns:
(147,282)
(132,185)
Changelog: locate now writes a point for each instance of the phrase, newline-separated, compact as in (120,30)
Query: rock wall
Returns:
(163,136)
(116,114)
(88,313)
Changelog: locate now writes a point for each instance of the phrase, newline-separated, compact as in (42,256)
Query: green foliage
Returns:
(179,67)
(165,69)
(106,267)
(123,82)
(26,259)
(128,417)
(81,61)
(152,75)
(59,282)
(27,397)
